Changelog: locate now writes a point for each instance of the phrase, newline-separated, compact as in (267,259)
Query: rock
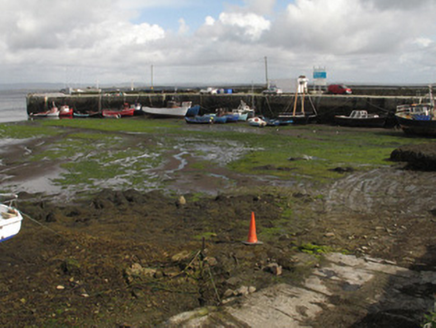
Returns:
(274,268)
(181,201)
(137,271)
(251,289)
(228,293)
(242,291)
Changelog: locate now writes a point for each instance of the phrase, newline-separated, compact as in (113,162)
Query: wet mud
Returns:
(129,258)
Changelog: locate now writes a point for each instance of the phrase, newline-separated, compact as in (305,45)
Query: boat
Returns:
(219,119)
(87,114)
(206,119)
(66,111)
(193,111)
(230,117)
(418,119)
(125,110)
(173,109)
(53,112)
(301,116)
(203,119)
(244,111)
(256,121)
(361,118)
(137,109)
(10,218)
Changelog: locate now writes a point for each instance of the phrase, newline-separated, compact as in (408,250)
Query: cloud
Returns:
(354,39)
(249,24)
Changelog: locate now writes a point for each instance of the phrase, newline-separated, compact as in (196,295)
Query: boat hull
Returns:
(179,112)
(416,127)
(199,120)
(300,119)
(10,222)
(372,122)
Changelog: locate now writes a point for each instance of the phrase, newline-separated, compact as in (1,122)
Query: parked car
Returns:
(272,91)
(339,89)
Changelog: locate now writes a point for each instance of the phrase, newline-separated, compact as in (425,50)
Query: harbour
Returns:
(374,99)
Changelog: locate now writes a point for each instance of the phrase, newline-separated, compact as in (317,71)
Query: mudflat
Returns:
(128,224)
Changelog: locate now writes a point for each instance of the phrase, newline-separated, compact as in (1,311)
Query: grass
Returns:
(99,150)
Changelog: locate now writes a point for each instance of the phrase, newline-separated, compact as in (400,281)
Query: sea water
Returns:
(13,105)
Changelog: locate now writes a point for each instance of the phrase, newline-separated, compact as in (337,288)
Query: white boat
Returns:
(256,121)
(244,111)
(173,109)
(361,118)
(53,112)
(10,220)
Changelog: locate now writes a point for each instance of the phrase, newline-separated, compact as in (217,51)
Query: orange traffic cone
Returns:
(252,237)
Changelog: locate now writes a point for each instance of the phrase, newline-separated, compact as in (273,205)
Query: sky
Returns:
(213,42)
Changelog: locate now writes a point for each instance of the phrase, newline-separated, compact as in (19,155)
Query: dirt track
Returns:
(131,259)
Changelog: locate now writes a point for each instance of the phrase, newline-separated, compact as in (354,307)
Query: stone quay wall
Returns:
(326,105)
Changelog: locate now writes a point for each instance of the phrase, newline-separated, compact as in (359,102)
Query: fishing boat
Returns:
(66,111)
(361,118)
(244,111)
(10,218)
(173,109)
(418,119)
(124,111)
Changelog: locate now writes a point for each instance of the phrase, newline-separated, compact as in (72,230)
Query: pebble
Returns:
(182,200)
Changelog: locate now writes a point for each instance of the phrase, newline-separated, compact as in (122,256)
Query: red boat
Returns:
(125,110)
(66,111)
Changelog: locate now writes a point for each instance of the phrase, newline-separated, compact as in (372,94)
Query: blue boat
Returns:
(206,119)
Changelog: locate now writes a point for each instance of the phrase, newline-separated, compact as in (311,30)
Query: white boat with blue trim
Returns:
(10,219)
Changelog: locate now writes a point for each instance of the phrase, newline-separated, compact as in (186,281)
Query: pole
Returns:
(266,72)
(151,77)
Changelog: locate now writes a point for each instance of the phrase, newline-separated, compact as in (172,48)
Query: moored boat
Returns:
(66,111)
(256,121)
(125,111)
(53,112)
(203,119)
(10,219)
(173,109)
(361,118)
(87,114)
(418,119)
(244,111)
